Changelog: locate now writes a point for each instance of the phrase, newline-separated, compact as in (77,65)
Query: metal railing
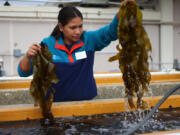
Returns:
(166,67)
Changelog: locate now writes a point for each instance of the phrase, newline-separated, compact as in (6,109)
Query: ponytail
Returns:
(56,32)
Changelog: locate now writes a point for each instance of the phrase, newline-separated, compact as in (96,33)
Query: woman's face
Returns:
(72,31)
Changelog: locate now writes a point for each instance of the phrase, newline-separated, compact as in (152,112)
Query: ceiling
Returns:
(97,3)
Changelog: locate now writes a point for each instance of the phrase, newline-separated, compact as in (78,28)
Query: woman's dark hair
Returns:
(65,15)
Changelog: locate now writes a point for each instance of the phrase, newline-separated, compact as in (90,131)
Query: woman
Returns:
(72,51)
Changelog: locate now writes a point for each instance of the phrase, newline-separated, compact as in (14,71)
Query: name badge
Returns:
(80,55)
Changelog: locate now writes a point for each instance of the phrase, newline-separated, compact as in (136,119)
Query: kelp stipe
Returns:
(133,54)
(44,75)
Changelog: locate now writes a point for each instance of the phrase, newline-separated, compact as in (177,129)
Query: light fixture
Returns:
(7,3)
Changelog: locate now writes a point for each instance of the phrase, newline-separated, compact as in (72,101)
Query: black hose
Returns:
(170,92)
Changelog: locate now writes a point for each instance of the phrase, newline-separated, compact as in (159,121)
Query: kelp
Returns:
(133,54)
(43,77)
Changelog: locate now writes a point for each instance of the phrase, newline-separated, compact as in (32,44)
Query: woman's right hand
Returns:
(33,50)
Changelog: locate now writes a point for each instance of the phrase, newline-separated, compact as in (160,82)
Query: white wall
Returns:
(177,30)
(102,57)
(166,33)
(4,37)
(19,32)
(19,35)
(26,33)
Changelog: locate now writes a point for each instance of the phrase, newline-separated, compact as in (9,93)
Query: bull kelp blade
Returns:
(44,76)
(134,53)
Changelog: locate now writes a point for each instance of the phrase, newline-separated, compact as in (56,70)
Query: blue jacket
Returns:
(75,67)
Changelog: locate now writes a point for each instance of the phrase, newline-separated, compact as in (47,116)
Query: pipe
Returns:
(170,92)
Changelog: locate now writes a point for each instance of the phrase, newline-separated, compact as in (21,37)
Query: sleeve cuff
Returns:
(24,73)
(117,15)
(20,65)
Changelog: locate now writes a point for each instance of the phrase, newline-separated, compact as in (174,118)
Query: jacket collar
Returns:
(60,45)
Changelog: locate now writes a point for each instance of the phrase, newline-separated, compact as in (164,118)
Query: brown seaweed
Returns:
(133,54)
(43,77)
